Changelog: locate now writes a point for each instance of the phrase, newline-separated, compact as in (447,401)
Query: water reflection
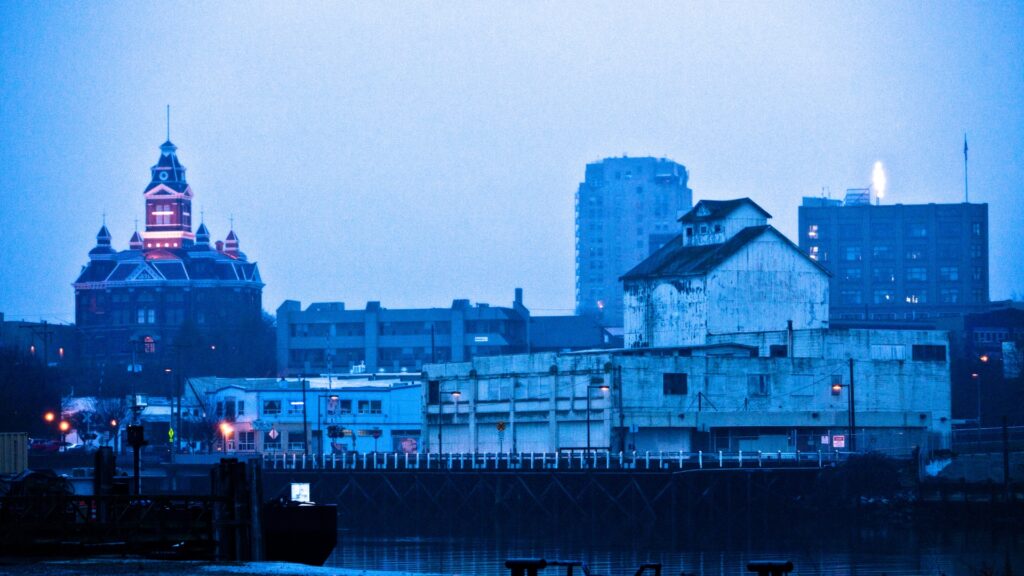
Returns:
(823,551)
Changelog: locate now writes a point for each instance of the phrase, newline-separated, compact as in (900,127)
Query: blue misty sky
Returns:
(415,153)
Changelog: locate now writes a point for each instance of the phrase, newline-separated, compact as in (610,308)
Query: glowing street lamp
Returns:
(64,426)
(49,416)
(225,430)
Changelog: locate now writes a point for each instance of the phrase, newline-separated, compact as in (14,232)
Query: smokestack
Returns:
(519,296)
(220,245)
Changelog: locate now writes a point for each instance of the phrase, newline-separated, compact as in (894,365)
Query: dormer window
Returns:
(689,231)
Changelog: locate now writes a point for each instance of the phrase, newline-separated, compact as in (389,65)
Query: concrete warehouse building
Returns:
(740,357)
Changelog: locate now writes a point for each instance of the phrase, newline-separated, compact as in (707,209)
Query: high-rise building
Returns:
(901,263)
(626,208)
(171,297)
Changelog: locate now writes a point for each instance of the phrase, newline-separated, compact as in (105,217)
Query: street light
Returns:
(837,387)
(319,420)
(64,426)
(225,430)
(455,396)
(49,417)
(603,388)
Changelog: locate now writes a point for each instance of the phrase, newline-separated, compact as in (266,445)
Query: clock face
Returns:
(163,175)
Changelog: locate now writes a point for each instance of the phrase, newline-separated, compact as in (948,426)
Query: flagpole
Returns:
(966,197)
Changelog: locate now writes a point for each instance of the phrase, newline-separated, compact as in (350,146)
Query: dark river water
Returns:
(813,550)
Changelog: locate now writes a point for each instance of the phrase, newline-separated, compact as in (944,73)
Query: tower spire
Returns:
(168,122)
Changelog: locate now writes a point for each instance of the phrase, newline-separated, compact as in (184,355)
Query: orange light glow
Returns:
(983,358)
(49,416)
(226,429)
(64,426)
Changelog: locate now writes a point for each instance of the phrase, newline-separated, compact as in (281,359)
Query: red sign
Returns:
(839,441)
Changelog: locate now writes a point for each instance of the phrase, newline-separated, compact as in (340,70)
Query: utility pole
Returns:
(305,419)
(853,414)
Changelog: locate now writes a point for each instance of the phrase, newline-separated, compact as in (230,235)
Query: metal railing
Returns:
(972,440)
(565,460)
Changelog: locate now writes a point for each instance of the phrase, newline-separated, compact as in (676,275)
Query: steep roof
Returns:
(717,209)
(674,259)
(195,263)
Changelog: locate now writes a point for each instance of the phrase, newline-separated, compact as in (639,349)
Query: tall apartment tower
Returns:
(626,208)
(901,263)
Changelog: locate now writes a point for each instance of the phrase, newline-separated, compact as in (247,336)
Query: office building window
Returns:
(914,253)
(849,231)
(881,252)
(812,231)
(813,252)
(920,297)
(674,384)
(949,273)
(976,229)
(851,297)
(948,251)
(949,296)
(884,229)
(976,273)
(917,274)
(852,274)
(975,251)
(884,297)
(883,275)
(852,254)
(271,407)
(917,230)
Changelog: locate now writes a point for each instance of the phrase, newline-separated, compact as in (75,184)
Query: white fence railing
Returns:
(565,460)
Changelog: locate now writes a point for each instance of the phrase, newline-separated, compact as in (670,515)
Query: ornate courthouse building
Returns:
(171,293)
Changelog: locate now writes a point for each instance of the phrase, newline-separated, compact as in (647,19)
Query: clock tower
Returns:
(168,203)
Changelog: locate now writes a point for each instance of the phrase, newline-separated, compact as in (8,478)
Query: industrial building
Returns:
(728,347)
(328,338)
(626,208)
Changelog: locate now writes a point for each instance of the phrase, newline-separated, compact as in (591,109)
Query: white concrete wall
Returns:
(899,402)
(765,284)
(666,312)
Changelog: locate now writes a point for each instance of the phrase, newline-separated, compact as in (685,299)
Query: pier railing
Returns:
(565,460)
